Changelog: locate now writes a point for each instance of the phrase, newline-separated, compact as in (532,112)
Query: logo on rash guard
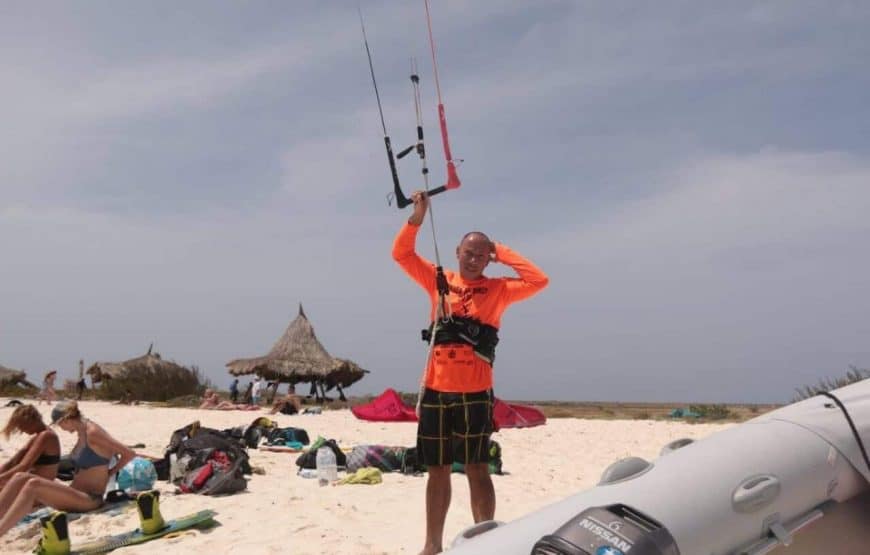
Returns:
(465,294)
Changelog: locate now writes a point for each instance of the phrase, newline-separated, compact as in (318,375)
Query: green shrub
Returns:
(712,412)
(16,390)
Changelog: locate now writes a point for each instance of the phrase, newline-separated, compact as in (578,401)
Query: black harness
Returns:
(482,337)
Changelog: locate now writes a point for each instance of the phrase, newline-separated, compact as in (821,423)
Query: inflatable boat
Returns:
(793,481)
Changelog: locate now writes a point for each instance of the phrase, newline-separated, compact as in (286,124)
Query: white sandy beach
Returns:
(284,513)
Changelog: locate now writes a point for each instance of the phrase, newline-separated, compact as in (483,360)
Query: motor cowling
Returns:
(609,530)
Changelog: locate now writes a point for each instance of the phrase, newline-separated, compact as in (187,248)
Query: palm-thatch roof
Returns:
(8,377)
(100,371)
(297,357)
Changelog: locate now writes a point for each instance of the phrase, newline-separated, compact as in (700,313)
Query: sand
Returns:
(284,513)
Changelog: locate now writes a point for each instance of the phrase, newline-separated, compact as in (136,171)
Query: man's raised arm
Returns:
(531,279)
(404,247)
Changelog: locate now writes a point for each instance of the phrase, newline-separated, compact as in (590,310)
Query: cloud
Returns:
(741,264)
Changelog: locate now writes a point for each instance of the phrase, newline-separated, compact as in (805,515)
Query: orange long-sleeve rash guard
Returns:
(455,368)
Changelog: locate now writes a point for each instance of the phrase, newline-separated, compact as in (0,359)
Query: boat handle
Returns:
(755,492)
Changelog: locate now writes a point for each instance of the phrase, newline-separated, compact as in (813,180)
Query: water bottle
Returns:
(327,468)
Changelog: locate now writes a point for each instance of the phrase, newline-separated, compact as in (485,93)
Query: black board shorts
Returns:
(454,427)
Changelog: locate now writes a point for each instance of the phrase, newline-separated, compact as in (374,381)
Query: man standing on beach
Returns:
(256,391)
(234,390)
(456,409)
(81,385)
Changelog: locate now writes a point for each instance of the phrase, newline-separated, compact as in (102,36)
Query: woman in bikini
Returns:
(48,394)
(212,401)
(40,455)
(91,455)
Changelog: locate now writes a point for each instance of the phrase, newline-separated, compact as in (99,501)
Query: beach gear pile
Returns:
(264,430)
(207,461)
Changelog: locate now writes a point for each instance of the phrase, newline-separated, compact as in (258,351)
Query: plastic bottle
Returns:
(327,468)
(174,468)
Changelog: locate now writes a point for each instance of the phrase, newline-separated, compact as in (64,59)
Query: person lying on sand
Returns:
(40,455)
(92,454)
(289,404)
(212,401)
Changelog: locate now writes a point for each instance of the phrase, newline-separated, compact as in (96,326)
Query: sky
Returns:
(693,177)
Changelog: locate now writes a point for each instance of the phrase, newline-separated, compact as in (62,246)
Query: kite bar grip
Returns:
(403,153)
(403,202)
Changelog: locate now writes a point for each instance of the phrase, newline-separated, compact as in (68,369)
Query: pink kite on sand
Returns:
(389,407)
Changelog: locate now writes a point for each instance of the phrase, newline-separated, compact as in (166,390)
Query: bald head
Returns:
(474,252)
(475,236)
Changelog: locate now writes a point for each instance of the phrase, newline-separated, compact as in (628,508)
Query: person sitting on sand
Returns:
(289,404)
(212,401)
(91,456)
(48,394)
(40,455)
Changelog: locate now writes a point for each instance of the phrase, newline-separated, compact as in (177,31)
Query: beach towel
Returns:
(290,447)
(117,503)
(368,476)
(382,457)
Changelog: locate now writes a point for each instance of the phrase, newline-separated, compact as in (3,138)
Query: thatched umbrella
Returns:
(8,377)
(145,378)
(100,371)
(298,357)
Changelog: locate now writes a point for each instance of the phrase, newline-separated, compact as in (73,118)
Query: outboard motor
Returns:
(609,530)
